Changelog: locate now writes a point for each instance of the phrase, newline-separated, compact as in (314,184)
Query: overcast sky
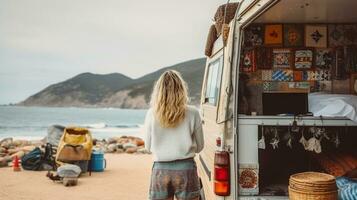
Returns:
(46,41)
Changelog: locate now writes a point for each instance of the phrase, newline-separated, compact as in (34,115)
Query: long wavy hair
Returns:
(169,99)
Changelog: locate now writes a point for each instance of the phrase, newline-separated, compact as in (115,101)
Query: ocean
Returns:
(31,123)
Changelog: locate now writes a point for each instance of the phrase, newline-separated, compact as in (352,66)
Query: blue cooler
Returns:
(98,163)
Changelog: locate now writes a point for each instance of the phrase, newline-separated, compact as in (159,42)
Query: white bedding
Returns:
(333,105)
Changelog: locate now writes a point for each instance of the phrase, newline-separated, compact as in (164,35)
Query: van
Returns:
(264,95)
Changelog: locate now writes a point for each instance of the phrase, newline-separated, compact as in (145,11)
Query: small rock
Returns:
(139,142)
(120,146)
(6,143)
(111,148)
(143,151)
(130,150)
(5,160)
(15,150)
(3,150)
(120,151)
(20,143)
(123,140)
(28,148)
(19,154)
(111,140)
(129,145)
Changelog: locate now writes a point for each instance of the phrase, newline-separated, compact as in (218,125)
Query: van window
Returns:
(213,82)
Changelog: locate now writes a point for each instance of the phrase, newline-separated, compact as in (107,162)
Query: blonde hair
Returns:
(169,99)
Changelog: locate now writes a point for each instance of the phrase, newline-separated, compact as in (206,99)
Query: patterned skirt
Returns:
(175,178)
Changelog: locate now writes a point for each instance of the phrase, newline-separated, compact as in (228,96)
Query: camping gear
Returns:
(75,145)
(98,163)
(49,156)
(67,173)
(312,185)
(224,14)
(54,134)
(32,160)
(211,38)
(16,164)
(83,164)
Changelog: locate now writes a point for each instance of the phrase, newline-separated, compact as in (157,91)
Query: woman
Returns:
(173,135)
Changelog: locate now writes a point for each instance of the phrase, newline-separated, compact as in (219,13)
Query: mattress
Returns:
(333,105)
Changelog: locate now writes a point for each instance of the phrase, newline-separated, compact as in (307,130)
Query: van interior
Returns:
(294,49)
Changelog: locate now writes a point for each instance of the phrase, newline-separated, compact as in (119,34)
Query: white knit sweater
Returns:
(168,144)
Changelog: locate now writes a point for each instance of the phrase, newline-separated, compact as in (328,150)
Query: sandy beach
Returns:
(125,178)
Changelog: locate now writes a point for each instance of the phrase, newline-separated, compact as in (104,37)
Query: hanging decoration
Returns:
(273,34)
(316,36)
(303,59)
(293,35)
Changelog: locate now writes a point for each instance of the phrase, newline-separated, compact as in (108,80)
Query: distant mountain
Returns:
(115,90)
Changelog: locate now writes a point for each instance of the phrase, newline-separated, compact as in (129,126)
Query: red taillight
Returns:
(221,174)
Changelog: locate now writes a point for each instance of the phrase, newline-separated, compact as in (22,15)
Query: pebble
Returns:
(130,150)
(120,151)
(140,142)
(129,145)
(111,140)
(143,151)
(111,148)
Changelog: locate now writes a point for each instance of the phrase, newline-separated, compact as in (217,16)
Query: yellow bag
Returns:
(75,145)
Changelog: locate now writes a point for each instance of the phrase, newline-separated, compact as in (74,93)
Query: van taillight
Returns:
(221,173)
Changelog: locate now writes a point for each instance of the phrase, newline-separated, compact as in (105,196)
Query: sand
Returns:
(125,178)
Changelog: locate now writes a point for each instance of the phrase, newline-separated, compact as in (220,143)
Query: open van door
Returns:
(247,12)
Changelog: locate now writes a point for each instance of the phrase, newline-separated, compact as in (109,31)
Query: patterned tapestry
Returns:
(248,61)
(264,58)
(282,58)
(316,36)
(303,59)
(324,58)
(254,36)
(293,35)
(282,75)
(273,34)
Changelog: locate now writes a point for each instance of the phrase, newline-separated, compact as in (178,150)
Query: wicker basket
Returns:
(312,186)
(211,38)
(298,195)
(224,16)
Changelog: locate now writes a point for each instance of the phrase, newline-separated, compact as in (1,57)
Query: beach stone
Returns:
(120,146)
(139,142)
(129,145)
(111,148)
(6,143)
(20,143)
(123,140)
(3,150)
(28,148)
(120,151)
(143,151)
(19,154)
(130,150)
(111,140)
(12,151)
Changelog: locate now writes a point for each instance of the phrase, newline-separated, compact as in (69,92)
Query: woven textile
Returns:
(267,75)
(335,35)
(282,75)
(270,86)
(254,36)
(316,36)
